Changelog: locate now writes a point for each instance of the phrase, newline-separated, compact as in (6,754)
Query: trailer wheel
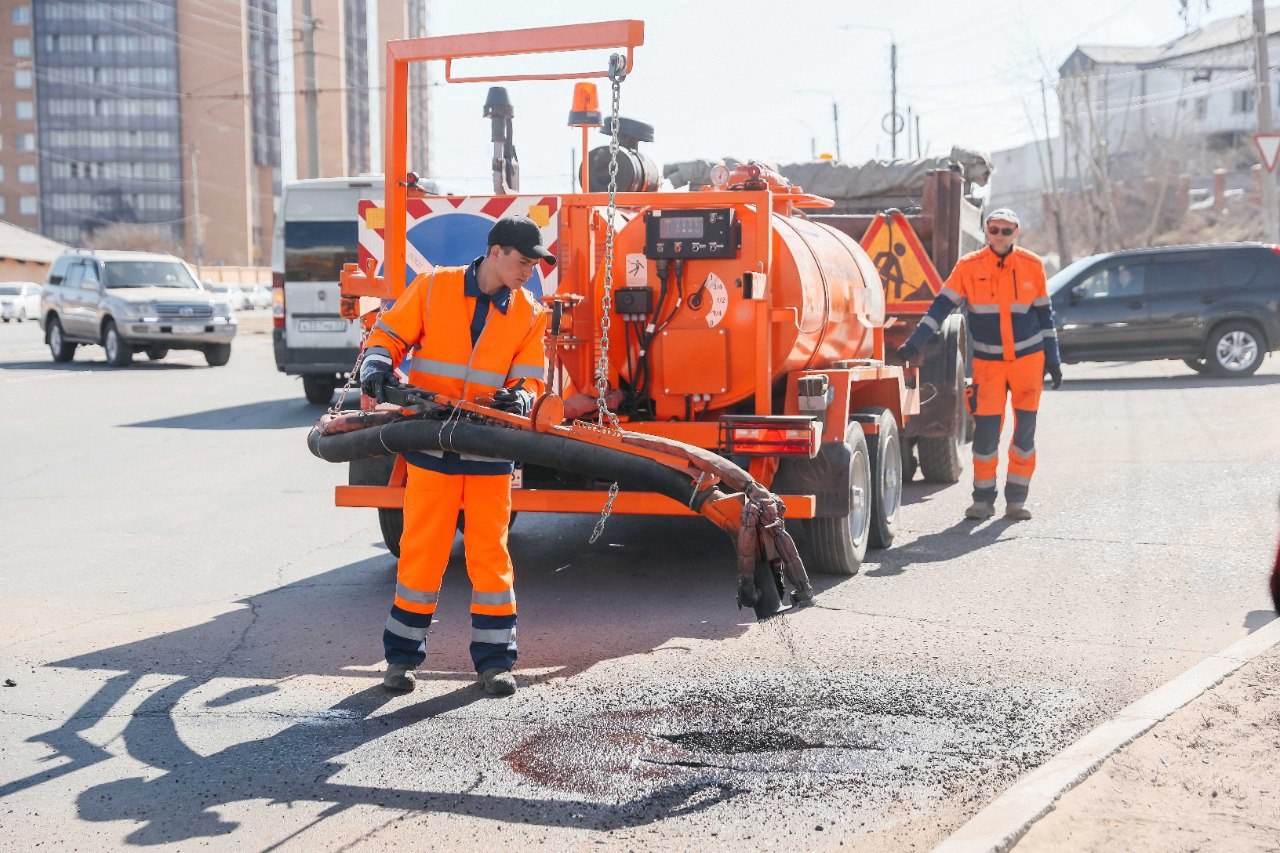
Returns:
(839,544)
(392,523)
(768,591)
(942,458)
(318,389)
(885,459)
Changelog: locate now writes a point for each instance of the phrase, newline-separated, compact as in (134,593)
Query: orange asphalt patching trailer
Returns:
(736,326)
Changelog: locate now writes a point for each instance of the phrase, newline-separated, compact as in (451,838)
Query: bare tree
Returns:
(134,237)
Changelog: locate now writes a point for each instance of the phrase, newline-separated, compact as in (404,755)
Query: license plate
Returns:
(322,325)
(187,330)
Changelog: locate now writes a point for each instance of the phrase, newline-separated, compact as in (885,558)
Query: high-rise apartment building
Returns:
(188,115)
(19,164)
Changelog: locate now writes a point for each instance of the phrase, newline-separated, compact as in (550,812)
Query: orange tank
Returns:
(703,352)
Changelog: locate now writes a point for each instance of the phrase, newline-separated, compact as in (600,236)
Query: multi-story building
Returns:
(188,115)
(19,163)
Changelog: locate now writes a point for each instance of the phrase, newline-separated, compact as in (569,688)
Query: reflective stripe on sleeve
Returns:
(526,371)
(1037,338)
(494,598)
(1040,301)
(950,294)
(929,323)
(381,324)
(498,636)
(983,308)
(1049,333)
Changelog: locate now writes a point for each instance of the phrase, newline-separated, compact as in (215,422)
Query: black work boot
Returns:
(498,682)
(399,678)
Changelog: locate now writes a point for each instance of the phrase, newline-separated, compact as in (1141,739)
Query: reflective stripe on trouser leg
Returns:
(1022,457)
(1026,383)
(431,503)
(986,455)
(486,503)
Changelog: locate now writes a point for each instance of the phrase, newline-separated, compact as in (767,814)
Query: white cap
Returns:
(1004,214)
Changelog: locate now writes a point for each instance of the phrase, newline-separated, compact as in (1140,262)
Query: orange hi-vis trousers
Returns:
(994,382)
(431,505)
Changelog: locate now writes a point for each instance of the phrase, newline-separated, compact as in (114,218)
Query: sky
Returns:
(757,80)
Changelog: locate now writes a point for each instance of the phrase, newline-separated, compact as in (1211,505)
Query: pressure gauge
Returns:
(720,175)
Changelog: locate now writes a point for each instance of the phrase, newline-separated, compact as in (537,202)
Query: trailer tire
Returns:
(942,458)
(839,544)
(885,459)
(318,389)
(768,591)
(392,523)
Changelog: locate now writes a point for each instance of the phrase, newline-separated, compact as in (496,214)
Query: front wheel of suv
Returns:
(216,355)
(1234,349)
(119,353)
(59,347)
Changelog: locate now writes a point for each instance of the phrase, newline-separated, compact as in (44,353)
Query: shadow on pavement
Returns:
(919,491)
(268,414)
(1163,383)
(94,366)
(963,537)
(1255,619)
(571,599)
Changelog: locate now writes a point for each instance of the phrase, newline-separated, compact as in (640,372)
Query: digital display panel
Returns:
(680,228)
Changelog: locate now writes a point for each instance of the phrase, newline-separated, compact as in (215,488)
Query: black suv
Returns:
(1215,307)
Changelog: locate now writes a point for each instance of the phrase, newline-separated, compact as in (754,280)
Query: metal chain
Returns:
(617,73)
(353,377)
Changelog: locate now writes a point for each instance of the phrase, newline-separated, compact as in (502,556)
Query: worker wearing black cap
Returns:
(476,334)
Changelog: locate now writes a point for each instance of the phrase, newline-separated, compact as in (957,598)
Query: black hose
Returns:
(536,448)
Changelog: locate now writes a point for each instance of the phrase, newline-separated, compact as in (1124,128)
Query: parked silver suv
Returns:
(132,302)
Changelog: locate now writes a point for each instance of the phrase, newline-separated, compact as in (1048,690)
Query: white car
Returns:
(19,300)
(234,294)
(259,296)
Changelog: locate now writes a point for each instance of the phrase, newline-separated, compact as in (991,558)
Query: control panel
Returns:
(691,234)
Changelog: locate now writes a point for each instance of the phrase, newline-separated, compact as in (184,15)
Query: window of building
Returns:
(26,142)
(1202,107)
(1242,101)
(22,79)
(26,174)
(25,109)
(21,15)
(22,47)
(1,205)
(28,205)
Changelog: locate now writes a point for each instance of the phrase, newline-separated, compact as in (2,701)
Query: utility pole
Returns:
(195,202)
(1270,219)
(893,98)
(309,105)
(835,120)
(908,133)
(919,150)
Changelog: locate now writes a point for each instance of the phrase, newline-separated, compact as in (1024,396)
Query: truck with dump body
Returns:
(721,323)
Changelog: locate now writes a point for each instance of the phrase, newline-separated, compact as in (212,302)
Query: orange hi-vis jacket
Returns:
(433,319)
(1010,314)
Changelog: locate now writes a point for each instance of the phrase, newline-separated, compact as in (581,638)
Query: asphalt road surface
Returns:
(190,631)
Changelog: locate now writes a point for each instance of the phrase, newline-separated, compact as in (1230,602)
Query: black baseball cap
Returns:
(522,234)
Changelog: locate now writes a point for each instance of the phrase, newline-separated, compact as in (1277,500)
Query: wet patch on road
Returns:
(884,737)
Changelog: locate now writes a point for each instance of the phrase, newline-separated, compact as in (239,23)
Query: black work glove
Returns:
(906,353)
(516,401)
(1054,372)
(376,383)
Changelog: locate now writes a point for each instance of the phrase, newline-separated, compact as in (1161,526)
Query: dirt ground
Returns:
(1205,779)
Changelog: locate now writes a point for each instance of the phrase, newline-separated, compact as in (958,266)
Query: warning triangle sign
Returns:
(1268,146)
(910,279)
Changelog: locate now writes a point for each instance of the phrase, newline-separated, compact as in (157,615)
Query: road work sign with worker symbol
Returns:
(910,279)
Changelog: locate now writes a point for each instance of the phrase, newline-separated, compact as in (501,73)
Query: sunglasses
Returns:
(995,229)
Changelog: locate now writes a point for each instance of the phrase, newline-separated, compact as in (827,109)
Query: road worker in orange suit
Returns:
(1015,346)
(474,333)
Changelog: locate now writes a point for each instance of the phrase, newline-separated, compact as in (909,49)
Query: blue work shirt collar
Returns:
(471,287)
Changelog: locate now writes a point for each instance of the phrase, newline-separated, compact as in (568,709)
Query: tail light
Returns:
(769,435)
(277,300)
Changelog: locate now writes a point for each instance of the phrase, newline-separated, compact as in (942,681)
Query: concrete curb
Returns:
(999,826)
